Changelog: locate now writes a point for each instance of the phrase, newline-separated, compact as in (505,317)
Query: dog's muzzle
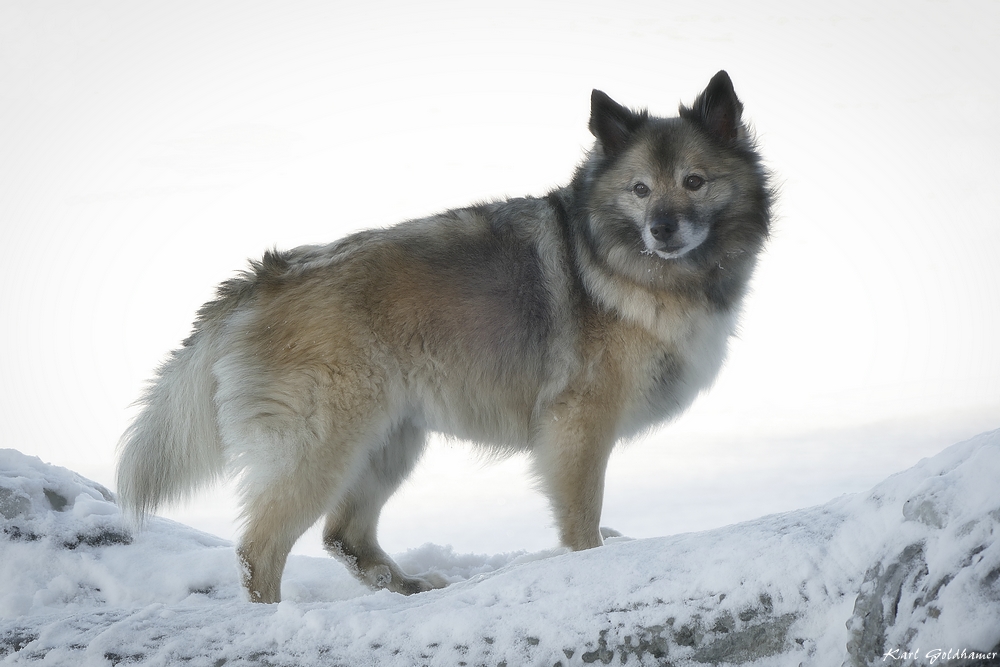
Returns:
(664,229)
(671,236)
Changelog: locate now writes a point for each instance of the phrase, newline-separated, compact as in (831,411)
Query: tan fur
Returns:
(558,326)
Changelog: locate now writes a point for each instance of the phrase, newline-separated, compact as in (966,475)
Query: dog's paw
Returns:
(392,579)
(408,585)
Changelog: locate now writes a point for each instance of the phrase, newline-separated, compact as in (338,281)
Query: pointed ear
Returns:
(717,109)
(612,123)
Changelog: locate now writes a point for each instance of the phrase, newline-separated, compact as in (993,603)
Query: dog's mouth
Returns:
(671,253)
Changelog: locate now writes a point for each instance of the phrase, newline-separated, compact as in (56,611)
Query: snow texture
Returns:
(906,574)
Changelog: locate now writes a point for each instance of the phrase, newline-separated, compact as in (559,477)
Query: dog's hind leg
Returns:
(278,508)
(292,473)
(350,534)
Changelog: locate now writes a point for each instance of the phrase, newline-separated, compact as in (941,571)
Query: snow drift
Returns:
(906,574)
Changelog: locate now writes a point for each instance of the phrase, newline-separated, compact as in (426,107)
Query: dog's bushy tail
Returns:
(173,446)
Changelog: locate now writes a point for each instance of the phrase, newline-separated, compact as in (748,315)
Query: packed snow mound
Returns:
(906,574)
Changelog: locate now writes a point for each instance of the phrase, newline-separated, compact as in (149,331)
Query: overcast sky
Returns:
(147,149)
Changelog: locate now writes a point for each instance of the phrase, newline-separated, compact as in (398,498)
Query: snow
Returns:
(910,567)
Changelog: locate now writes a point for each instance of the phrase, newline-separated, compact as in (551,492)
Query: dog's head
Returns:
(676,188)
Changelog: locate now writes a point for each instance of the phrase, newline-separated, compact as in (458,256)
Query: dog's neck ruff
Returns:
(666,315)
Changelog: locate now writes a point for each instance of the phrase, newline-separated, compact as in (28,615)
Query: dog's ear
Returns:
(612,123)
(717,109)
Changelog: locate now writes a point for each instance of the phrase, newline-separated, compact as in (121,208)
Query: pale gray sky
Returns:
(148,149)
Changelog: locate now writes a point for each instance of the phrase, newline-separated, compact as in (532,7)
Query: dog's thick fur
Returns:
(557,325)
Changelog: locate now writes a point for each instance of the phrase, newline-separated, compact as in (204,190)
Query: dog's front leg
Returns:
(571,457)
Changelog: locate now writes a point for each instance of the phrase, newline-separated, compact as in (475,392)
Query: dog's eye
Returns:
(641,190)
(694,182)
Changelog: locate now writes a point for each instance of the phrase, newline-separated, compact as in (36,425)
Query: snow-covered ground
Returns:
(905,574)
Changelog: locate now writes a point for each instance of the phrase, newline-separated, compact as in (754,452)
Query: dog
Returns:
(557,325)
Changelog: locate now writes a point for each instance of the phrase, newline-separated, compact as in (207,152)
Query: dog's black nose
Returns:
(663,226)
